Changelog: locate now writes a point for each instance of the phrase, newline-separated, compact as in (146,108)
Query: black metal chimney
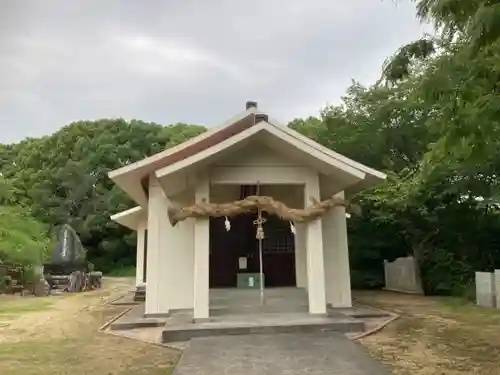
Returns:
(261,117)
(251,104)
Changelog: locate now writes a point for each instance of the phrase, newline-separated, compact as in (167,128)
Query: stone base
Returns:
(239,312)
(180,328)
(140,293)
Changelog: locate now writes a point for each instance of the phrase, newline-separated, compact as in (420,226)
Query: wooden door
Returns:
(222,262)
(226,247)
(278,253)
(278,250)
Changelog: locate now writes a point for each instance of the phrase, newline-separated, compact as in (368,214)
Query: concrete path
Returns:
(328,353)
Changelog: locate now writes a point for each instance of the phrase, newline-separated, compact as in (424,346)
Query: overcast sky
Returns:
(193,61)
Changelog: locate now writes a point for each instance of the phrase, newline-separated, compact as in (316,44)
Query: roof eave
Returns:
(129,218)
(327,151)
(248,133)
(132,186)
(140,164)
(368,182)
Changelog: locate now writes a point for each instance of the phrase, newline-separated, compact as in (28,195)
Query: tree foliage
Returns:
(23,239)
(63,179)
(431,123)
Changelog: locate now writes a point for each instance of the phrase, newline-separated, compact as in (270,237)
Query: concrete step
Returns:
(126,300)
(262,324)
(256,309)
(125,324)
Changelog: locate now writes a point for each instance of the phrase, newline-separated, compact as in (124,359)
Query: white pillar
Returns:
(337,274)
(497,288)
(153,293)
(300,255)
(139,259)
(201,254)
(170,269)
(314,246)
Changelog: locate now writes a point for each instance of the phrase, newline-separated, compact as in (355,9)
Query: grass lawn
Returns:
(435,335)
(59,335)
(12,307)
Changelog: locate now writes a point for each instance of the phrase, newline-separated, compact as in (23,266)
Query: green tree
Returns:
(23,239)
(63,179)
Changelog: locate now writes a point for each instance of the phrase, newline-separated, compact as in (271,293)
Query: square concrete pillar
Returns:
(300,255)
(201,254)
(140,259)
(337,273)
(485,289)
(169,260)
(314,248)
(153,292)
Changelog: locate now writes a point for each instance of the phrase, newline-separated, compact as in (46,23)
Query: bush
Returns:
(23,239)
(122,271)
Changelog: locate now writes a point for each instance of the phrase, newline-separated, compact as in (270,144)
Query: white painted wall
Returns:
(255,154)
(257,162)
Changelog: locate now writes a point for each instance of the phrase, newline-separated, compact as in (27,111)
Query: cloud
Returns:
(192,61)
(177,60)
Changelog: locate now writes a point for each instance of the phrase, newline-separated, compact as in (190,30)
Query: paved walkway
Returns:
(328,353)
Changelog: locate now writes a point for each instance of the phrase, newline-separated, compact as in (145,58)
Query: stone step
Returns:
(256,309)
(260,325)
(126,324)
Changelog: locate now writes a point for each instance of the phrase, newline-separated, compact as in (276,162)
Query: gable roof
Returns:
(277,132)
(330,152)
(214,141)
(143,168)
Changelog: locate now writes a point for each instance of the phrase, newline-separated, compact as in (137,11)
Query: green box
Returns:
(248,280)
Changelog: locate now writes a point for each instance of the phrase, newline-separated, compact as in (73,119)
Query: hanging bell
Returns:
(260,233)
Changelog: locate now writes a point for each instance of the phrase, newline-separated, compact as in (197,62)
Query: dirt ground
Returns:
(435,335)
(59,335)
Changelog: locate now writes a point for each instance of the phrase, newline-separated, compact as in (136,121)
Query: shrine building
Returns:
(180,261)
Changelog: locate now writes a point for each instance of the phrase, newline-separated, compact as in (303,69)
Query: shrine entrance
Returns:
(236,251)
